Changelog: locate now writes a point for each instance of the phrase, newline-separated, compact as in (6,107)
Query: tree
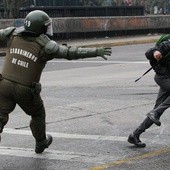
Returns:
(12,7)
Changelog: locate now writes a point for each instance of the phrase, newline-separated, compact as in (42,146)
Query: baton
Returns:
(143,74)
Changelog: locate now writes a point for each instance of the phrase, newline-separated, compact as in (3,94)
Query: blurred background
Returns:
(73,19)
(11,8)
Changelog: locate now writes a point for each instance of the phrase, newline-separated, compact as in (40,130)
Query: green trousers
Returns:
(12,93)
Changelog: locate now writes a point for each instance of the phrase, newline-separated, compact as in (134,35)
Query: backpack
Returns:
(163,37)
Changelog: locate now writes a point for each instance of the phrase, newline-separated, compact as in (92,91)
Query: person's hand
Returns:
(102,51)
(157,55)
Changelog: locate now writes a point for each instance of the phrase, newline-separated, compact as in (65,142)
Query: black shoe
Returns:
(134,139)
(40,146)
(154,119)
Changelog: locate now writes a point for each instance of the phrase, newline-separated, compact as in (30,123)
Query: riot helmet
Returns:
(38,22)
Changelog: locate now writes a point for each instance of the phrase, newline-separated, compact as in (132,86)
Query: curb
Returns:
(121,43)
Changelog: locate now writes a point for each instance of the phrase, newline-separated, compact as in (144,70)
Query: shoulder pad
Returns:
(6,32)
(42,40)
(51,47)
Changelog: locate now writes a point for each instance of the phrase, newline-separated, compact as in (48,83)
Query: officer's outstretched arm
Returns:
(79,52)
(74,53)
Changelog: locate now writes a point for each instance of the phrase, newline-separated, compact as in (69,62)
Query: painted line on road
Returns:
(104,62)
(51,155)
(73,156)
(135,158)
(70,136)
(75,136)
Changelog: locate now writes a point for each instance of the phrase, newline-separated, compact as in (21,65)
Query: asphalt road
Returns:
(92,106)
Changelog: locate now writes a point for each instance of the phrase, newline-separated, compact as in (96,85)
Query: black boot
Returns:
(154,118)
(40,146)
(134,137)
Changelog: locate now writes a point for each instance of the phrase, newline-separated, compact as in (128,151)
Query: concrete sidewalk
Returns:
(114,41)
(107,41)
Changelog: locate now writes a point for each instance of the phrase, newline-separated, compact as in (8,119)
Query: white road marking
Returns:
(75,136)
(61,155)
(52,155)
(69,136)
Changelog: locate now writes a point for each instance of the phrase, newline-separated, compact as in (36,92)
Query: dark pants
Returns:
(163,98)
(13,93)
(162,102)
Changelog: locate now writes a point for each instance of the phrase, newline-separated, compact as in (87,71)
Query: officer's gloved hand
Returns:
(102,51)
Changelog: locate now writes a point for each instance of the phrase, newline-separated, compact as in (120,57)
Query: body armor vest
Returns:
(22,62)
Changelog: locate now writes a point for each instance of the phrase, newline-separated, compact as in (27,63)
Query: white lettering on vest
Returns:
(14,61)
(20,63)
(23,53)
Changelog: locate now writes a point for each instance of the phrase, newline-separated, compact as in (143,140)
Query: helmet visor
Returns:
(50,30)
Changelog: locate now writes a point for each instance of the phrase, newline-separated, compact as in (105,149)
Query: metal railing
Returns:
(89,11)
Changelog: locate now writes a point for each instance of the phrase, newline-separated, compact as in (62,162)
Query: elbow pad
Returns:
(62,52)
(51,47)
(72,53)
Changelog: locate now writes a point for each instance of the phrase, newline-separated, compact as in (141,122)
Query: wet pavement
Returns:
(92,106)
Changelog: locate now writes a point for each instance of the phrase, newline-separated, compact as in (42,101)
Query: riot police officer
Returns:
(29,48)
(159,57)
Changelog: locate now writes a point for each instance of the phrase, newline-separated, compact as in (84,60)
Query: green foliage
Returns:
(12,6)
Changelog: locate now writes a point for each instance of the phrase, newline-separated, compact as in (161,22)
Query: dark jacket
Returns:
(161,67)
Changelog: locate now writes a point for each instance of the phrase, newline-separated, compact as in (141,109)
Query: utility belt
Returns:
(35,87)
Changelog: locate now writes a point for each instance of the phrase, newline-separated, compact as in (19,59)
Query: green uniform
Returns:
(24,62)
